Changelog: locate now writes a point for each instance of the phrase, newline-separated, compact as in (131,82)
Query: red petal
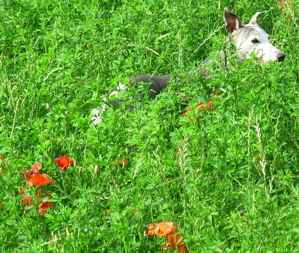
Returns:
(161,229)
(175,241)
(36,167)
(27,201)
(43,207)
(64,161)
(26,173)
(40,179)
(165,247)
(183,248)
(201,106)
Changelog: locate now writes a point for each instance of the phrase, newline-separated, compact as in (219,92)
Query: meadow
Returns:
(226,175)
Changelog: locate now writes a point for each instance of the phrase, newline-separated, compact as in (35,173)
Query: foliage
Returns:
(227,177)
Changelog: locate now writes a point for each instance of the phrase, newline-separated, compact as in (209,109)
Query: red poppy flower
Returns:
(64,161)
(39,179)
(35,178)
(28,200)
(44,206)
(168,229)
(182,248)
(198,107)
(160,229)
(175,241)
(201,106)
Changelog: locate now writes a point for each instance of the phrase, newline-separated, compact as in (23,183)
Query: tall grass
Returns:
(227,177)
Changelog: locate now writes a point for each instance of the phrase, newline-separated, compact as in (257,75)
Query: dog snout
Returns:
(281,56)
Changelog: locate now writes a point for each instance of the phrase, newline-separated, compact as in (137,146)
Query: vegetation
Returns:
(226,175)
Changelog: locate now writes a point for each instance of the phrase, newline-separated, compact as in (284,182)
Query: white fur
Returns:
(96,113)
(251,39)
(262,48)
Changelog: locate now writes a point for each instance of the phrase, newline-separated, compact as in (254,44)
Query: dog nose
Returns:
(281,56)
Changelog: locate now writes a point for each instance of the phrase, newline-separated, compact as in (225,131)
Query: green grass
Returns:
(232,187)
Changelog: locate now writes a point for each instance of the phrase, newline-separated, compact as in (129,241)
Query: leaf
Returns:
(11,222)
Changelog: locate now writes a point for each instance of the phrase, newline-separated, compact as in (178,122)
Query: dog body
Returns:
(250,40)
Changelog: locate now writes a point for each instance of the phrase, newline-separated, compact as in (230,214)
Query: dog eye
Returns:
(255,41)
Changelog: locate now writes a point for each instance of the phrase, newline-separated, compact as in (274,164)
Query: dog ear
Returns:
(232,21)
(254,20)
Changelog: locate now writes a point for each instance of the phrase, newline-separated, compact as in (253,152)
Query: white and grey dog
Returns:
(249,39)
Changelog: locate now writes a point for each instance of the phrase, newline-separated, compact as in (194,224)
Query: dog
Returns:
(249,40)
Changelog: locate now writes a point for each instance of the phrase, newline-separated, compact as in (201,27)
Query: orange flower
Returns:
(160,229)
(44,206)
(198,107)
(201,106)
(39,179)
(168,229)
(27,201)
(64,161)
(35,178)
(175,241)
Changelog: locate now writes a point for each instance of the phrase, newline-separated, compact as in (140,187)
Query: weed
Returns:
(226,173)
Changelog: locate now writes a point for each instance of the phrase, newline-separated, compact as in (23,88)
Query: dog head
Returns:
(251,39)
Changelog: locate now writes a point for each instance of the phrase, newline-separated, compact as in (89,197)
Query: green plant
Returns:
(226,173)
